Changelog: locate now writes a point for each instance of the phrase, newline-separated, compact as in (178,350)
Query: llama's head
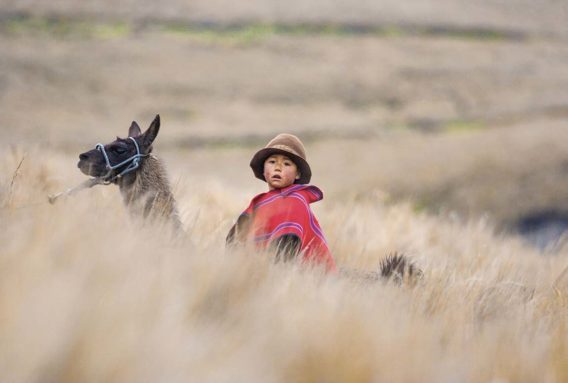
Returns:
(121,156)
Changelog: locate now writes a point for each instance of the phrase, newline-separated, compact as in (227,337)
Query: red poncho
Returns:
(287,211)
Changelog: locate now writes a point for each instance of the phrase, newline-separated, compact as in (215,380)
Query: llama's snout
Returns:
(90,164)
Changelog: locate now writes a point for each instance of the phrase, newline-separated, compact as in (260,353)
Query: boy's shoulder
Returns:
(308,193)
(312,193)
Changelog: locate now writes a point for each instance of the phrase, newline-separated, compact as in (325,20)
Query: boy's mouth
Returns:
(276,177)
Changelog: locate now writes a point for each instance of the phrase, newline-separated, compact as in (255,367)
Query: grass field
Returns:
(88,295)
(432,130)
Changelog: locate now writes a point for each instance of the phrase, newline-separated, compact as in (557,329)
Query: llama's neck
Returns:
(147,191)
(149,179)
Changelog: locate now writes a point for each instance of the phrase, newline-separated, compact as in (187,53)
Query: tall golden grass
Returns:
(89,295)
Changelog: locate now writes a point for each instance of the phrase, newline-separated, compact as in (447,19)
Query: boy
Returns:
(281,219)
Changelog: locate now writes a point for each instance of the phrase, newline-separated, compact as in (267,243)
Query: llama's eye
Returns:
(119,150)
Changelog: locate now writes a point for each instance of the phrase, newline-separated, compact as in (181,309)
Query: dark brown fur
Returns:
(399,268)
(395,267)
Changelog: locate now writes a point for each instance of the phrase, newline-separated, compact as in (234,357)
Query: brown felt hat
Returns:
(288,145)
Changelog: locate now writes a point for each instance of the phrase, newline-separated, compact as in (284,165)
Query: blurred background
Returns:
(453,105)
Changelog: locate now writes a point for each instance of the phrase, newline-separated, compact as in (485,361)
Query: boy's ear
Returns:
(298,175)
(150,135)
(134,130)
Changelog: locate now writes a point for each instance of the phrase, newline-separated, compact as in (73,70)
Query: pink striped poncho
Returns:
(287,211)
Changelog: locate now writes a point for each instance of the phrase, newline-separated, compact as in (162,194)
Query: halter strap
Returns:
(134,162)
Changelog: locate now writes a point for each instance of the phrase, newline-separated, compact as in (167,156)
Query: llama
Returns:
(140,176)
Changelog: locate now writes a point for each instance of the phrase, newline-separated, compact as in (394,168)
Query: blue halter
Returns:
(134,162)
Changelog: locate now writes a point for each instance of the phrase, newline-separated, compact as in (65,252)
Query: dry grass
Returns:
(451,106)
(87,295)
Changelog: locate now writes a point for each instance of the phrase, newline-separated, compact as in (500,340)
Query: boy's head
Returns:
(282,162)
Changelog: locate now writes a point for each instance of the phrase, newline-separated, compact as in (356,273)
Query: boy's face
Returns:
(280,171)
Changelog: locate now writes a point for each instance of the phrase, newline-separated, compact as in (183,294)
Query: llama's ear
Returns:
(150,135)
(134,130)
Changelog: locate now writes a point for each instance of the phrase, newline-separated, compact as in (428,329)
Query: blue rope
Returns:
(134,162)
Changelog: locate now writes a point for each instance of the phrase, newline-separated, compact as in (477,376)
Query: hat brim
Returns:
(257,164)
